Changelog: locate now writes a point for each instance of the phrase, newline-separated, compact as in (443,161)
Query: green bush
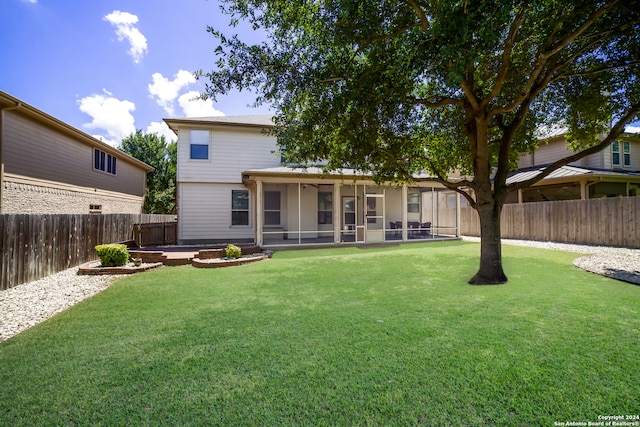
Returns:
(233,251)
(113,255)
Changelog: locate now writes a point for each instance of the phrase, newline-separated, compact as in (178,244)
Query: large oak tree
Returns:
(399,87)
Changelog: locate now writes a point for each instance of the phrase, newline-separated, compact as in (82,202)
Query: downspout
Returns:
(2,110)
(589,184)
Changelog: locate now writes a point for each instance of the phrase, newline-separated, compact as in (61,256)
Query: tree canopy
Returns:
(154,150)
(401,87)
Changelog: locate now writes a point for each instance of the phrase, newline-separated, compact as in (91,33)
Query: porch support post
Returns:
(259,210)
(337,207)
(405,191)
(520,196)
(458,233)
(583,190)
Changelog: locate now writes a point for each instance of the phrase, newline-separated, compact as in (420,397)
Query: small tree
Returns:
(161,183)
(397,88)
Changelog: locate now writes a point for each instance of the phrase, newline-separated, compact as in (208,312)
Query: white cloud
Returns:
(632,129)
(196,107)
(30,1)
(125,29)
(162,129)
(110,114)
(166,91)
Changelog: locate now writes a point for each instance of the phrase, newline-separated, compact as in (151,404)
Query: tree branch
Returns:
(423,18)
(543,58)
(593,72)
(506,58)
(438,102)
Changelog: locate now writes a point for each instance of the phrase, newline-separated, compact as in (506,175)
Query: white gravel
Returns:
(26,305)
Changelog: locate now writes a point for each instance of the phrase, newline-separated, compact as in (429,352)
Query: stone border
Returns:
(222,262)
(95,268)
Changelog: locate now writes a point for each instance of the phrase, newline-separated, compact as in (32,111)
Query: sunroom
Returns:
(296,206)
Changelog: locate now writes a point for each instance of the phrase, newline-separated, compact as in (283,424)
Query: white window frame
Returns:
(413,203)
(623,151)
(247,210)
(105,162)
(199,141)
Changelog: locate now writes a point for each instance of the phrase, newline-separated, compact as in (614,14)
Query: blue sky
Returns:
(109,67)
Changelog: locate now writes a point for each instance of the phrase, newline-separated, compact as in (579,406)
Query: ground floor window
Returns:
(413,202)
(271,208)
(239,207)
(325,208)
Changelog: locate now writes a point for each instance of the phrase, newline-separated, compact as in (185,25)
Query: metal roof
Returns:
(568,172)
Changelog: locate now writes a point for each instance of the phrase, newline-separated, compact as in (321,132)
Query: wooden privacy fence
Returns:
(35,246)
(607,222)
(157,233)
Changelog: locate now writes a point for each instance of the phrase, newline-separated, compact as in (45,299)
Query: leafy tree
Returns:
(398,87)
(161,183)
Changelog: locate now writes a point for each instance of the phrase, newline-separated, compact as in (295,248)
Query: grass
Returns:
(346,336)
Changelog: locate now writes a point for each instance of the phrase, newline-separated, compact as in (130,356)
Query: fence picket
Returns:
(35,246)
(609,222)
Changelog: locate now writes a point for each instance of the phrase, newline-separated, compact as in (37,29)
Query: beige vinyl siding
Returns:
(34,150)
(596,160)
(549,153)
(635,156)
(231,151)
(205,213)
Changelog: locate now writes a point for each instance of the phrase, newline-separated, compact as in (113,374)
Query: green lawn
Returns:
(346,336)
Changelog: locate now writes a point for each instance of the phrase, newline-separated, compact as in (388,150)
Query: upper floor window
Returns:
(199,144)
(239,207)
(625,155)
(104,162)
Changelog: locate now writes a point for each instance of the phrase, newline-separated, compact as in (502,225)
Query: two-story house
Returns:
(49,167)
(233,186)
(612,172)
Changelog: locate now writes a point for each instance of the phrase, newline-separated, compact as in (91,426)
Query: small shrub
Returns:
(113,255)
(233,251)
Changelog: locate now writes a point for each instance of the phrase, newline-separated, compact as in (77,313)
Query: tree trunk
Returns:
(490,272)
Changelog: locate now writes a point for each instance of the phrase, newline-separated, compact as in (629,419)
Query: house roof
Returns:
(568,172)
(319,171)
(9,102)
(263,121)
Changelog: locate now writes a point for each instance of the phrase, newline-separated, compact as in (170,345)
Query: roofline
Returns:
(208,122)
(43,117)
(300,173)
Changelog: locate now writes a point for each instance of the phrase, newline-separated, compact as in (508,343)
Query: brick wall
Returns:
(23,198)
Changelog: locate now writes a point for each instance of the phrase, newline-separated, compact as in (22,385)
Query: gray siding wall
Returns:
(32,149)
(205,213)
(231,151)
(204,186)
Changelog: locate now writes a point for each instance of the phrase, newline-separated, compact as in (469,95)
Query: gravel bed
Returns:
(26,305)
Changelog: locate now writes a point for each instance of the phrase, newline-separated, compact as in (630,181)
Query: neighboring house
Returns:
(612,172)
(232,186)
(50,167)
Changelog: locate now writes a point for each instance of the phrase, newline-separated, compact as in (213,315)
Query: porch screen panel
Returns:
(272,208)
